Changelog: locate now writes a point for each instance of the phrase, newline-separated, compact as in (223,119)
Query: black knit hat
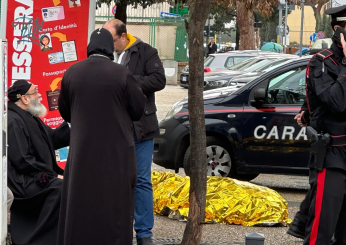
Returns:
(17,89)
(101,42)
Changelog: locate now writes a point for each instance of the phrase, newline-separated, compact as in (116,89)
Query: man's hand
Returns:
(298,117)
(60,177)
(343,43)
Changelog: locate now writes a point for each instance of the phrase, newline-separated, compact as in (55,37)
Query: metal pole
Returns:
(208,27)
(3,19)
(285,27)
(91,25)
(280,23)
(301,31)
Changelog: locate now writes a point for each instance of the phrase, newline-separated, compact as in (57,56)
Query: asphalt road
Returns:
(292,188)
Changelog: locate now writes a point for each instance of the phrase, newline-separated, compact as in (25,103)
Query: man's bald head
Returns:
(116,25)
(118,30)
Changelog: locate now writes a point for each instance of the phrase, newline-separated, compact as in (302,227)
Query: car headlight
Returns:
(174,110)
(217,83)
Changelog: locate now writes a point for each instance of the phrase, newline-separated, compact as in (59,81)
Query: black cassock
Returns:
(32,177)
(100,99)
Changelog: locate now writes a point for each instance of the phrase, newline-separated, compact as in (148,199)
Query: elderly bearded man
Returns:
(32,168)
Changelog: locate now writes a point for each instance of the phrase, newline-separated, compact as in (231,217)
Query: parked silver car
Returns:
(223,61)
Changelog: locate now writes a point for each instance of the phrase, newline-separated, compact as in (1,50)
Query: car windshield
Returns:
(208,60)
(241,64)
(271,65)
(293,80)
(253,62)
(257,65)
(233,60)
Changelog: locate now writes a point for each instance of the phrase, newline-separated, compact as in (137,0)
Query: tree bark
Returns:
(320,5)
(198,178)
(245,20)
(317,9)
(121,11)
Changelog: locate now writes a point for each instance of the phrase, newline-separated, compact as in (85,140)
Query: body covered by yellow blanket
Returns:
(229,201)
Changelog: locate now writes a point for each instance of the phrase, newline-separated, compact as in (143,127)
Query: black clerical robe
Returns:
(100,99)
(32,177)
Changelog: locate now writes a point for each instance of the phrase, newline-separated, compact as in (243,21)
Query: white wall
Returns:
(151,11)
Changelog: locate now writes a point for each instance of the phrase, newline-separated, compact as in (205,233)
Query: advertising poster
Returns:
(45,37)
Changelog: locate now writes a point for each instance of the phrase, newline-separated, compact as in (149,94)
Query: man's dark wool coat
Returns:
(100,99)
(32,177)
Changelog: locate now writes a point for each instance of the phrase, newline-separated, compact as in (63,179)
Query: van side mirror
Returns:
(259,96)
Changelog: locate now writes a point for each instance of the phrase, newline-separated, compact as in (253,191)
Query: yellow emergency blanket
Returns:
(229,201)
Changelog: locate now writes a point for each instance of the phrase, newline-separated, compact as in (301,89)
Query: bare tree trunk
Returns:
(121,11)
(198,178)
(245,20)
(320,5)
(317,9)
(314,8)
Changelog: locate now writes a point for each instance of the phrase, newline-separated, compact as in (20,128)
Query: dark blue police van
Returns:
(249,131)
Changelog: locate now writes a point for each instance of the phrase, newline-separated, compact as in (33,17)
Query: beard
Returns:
(37,109)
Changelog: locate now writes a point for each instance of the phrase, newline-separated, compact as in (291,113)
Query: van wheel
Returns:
(219,161)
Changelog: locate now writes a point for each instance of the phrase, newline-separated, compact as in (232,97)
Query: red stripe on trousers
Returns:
(318,206)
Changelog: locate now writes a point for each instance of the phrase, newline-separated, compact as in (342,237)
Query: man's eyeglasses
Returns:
(32,93)
(114,40)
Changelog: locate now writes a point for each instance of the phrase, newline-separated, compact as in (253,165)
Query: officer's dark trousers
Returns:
(303,213)
(327,211)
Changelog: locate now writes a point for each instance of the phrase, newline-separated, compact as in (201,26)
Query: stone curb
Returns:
(173,241)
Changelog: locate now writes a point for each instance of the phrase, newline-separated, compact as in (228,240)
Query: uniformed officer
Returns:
(326,100)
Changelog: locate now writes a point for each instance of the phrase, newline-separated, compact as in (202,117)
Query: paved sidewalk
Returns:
(292,188)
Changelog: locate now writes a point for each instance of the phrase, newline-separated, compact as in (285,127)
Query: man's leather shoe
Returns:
(297,229)
(145,241)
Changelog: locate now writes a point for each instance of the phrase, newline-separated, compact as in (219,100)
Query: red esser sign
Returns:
(44,38)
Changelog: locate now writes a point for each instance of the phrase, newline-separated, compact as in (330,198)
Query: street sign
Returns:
(205,33)
(280,30)
(169,15)
(114,9)
(313,37)
(321,35)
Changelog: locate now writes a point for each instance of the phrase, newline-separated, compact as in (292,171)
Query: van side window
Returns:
(229,62)
(287,88)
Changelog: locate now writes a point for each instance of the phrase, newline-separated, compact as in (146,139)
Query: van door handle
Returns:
(231,115)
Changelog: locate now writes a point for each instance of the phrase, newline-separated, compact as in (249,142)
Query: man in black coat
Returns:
(144,63)
(32,168)
(101,99)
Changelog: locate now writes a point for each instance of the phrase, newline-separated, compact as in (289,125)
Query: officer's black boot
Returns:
(297,227)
